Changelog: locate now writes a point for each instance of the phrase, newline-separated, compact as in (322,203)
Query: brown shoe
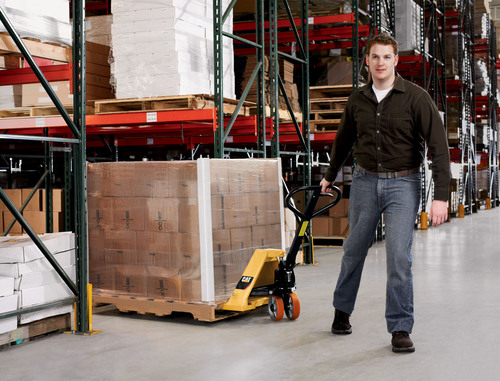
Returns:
(401,342)
(341,324)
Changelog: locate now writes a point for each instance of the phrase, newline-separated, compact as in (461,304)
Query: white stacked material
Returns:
(408,25)
(8,302)
(165,47)
(482,83)
(46,20)
(34,280)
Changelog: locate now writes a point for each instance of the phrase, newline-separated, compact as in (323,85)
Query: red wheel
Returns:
(276,308)
(292,306)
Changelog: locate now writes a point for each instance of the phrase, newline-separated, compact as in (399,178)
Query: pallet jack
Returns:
(269,277)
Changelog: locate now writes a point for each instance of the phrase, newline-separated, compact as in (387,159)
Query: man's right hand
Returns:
(324,185)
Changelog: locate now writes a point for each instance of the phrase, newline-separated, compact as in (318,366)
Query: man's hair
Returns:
(383,39)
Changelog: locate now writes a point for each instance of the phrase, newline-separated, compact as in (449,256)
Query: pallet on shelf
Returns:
(325,125)
(207,312)
(177,102)
(36,48)
(33,330)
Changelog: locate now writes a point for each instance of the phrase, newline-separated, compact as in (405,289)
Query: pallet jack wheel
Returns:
(292,308)
(275,307)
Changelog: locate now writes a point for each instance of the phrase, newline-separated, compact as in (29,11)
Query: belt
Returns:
(390,175)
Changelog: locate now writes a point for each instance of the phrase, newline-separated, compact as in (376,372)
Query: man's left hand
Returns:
(439,212)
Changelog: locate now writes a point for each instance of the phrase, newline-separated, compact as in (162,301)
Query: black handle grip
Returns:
(316,194)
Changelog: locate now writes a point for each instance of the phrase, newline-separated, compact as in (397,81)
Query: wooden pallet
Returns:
(182,102)
(36,48)
(33,330)
(207,312)
(326,114)
(323,92)
(325,125)
(38,111)
(332,103)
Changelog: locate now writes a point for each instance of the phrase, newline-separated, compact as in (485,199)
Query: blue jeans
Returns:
(399,200)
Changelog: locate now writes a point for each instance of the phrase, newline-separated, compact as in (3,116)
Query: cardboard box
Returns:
(268,237)
(35,95)
(188,215)
(100,213)
(8,304)
(321,226)
(57,200)
(15,196)
(102,276)
(221,240)
(162,215)
(121,247)
(37,221)
(341,209)
(7,218)
(128,214)
(190,289)
(35,203)
(164,287)
(340,226)
(153,248)
(119,183)
(241,238)
(219,177)
(130,280)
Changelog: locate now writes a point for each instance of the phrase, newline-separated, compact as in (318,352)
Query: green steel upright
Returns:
(79,160)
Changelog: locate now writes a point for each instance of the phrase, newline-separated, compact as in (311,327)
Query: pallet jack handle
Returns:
(309,213)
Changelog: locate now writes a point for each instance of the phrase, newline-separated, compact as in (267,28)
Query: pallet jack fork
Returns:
(269,277)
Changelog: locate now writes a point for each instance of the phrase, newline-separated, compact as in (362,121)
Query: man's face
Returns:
(381,62)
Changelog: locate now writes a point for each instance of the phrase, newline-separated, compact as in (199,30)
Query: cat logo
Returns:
(244,282)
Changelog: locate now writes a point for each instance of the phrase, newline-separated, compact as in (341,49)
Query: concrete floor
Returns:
(457,304)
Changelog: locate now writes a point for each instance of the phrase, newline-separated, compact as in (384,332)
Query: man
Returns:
(385,124)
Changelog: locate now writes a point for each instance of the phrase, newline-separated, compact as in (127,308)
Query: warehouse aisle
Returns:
(457,299)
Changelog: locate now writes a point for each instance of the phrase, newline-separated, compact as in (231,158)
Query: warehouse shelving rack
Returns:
(429,68)
(75,138)
(487,108)
(461,21)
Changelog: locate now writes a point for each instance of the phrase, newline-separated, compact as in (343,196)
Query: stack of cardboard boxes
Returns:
(27,278)
(151,227)
(244,69)
(97,81)
(35,211)
(333,224)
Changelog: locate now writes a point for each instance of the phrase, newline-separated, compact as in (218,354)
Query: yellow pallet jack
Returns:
(269,277)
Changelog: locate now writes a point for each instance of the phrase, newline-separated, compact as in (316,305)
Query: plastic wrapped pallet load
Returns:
(180,231)
(165,47)
(46,20)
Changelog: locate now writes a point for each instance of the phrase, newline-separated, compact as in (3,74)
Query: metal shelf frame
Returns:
(467,185)
(433,77)
(74,137)
(492,135)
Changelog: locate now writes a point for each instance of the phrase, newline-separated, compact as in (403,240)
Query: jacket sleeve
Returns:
(344,141)
(429,121)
